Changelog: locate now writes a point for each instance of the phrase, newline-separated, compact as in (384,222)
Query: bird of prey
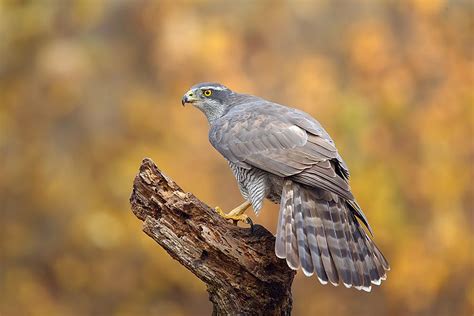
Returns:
(285,155)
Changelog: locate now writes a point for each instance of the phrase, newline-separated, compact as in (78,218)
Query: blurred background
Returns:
(89,88)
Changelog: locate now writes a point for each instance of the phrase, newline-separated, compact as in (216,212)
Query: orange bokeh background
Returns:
(89,88)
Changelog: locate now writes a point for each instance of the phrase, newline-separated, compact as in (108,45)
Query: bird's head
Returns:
(211,98)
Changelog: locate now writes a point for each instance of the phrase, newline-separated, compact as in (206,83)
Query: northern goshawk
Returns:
(285,155)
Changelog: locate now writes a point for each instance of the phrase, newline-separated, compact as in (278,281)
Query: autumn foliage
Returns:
(89,88)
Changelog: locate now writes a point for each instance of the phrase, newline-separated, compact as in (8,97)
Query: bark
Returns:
(238,265)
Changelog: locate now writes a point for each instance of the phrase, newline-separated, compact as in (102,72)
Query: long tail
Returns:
(319,232)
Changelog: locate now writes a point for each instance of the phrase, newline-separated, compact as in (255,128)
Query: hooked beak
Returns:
(184,100)
(188,98)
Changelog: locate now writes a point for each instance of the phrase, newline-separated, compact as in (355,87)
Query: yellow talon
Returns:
(237,214)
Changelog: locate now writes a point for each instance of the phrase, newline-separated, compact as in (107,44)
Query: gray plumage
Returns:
(285,155)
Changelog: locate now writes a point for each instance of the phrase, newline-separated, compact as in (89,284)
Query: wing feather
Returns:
(280,140)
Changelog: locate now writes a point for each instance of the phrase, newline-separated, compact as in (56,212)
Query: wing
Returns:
(282,141)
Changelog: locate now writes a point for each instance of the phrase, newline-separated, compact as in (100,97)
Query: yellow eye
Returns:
(207,93)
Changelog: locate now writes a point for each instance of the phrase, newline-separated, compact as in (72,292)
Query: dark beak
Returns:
(184,100)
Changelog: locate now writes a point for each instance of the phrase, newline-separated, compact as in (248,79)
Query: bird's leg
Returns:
(239,210)
(237,214)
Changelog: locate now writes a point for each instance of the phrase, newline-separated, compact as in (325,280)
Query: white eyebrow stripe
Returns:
(212,88)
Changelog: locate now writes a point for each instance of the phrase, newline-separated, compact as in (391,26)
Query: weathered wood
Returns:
(239,266)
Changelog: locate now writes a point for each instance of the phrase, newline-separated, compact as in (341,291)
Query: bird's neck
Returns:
(213,114)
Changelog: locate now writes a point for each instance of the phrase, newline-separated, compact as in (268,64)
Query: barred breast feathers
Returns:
(253,184)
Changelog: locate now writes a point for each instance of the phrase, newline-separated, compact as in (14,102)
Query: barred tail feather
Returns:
(280,242)
(330,213)
(311,235)
(358,271)
(301,235)
(319,232)
(360,246)
(286,244)
(326,258)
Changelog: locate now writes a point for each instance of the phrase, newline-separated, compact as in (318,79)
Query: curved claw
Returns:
(249,221)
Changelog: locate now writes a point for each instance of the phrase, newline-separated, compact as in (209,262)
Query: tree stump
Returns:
(238,265)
